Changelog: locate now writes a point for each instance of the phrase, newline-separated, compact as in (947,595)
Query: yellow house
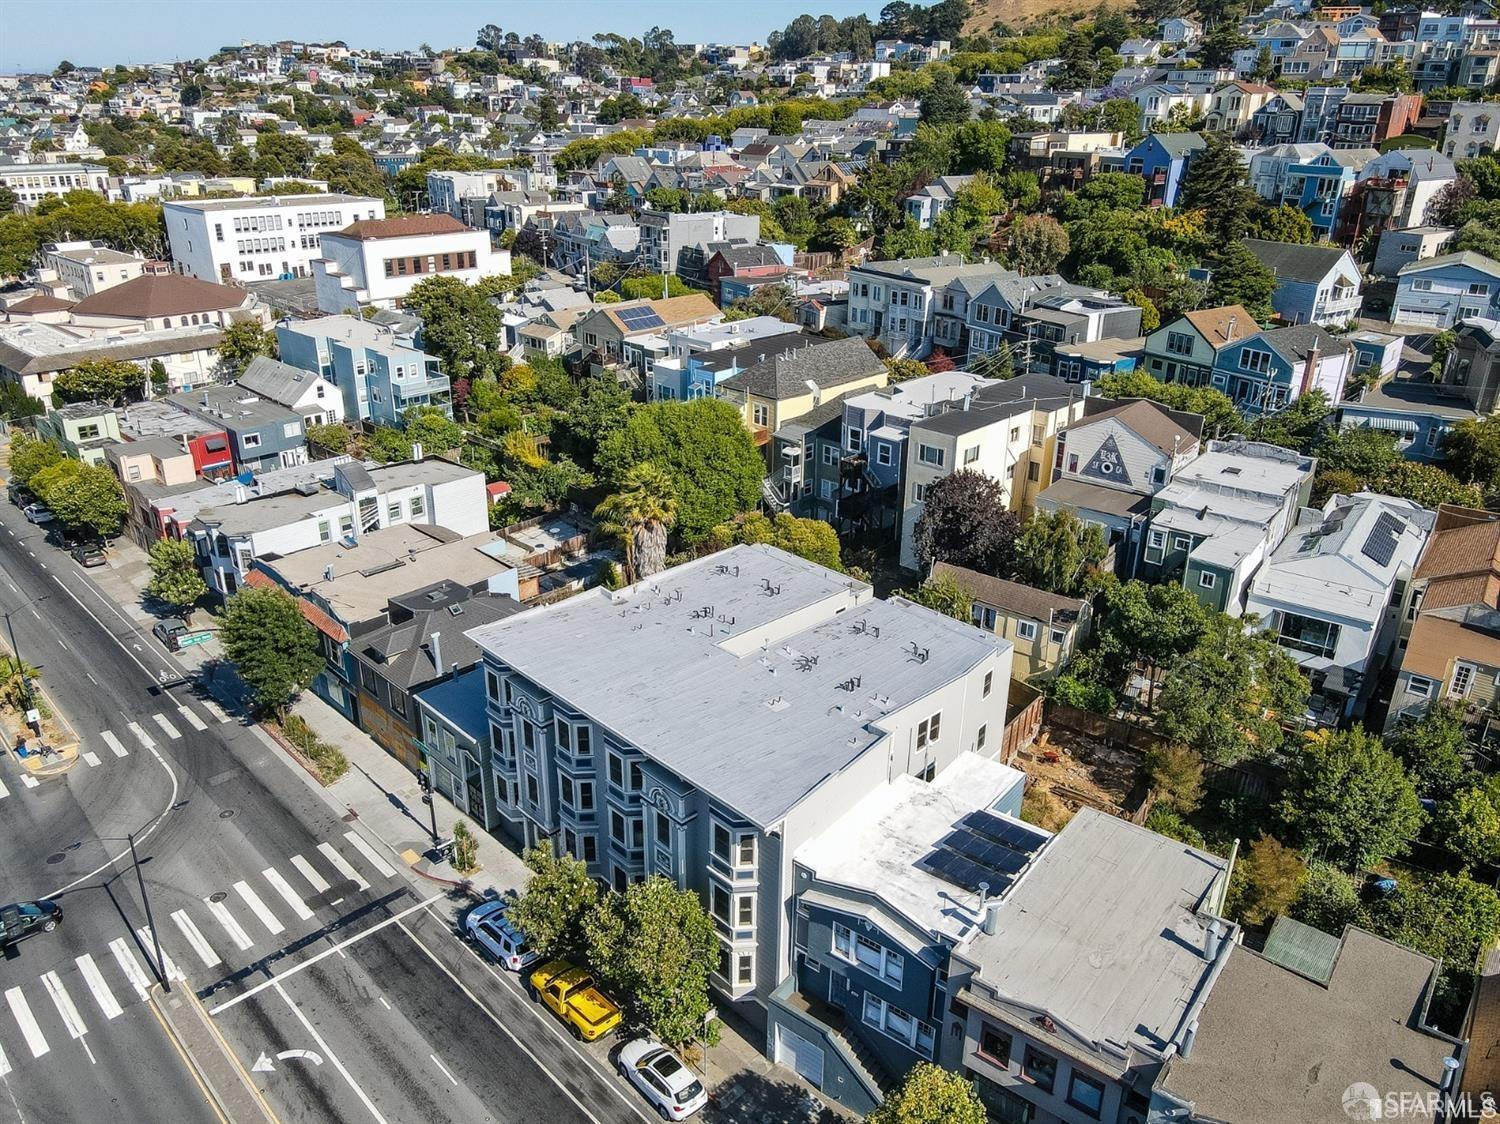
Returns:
(797,374)
(1044,628)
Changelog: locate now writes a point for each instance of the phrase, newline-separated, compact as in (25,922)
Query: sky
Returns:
(36,36)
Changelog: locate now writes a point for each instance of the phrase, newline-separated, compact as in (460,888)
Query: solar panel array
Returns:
(1380,546)
(638,318)
(985,848)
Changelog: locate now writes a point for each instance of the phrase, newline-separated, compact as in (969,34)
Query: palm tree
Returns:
(641,513)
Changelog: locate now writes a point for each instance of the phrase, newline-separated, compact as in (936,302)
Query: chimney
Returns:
(1310,370)
(239,493)
(990,922)
(1189,1036)
(1211,942)
(435,646)
(1229,331)
(416,450)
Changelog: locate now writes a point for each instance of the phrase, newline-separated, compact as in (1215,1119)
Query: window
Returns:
(1156,540)
(1039,1069)
(418,507)
(718,902)
(971,454)
(989,681)
(1207,580)
(928,729)
(830,454)
(1182,542)
(1026,630)
(868,954)
(979,738)
(722,842)
(325,531)
(1086,1094)
(883,454)
(1420,686)
(393,511)
(854,439)
(994,1045)
(744,911)
(1179,343)
(919,493)
(616,770)
(761,414)
(663,828)
(1057,636)
(1257,361)
(250,441)
(744,969)
(931,454)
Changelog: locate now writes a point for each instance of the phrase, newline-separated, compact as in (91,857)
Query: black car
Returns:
(60,537)
(88,554)
(24,918)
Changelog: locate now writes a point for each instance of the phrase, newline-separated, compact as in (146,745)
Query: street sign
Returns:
(33,717)
(188,639)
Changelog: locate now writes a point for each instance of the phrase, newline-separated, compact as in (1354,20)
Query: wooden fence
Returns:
(1024,707)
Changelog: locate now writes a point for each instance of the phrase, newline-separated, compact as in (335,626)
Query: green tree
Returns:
(1141,624)
(271,645)
(175,579)
(1366,452)
(1218,412)
(640,514)
(29,455)
(1239,277)
(1228,696)
(942,594)
(1434,750)
(1217,183)
(1283,223)
(1449,916)
(1467,824)
(84,497)
(332,438)
(1428,485)
(965,521)
(979,146)
(1038,244)
(1220,44)
(560,895)
(432,428)
(945,102)
(459,325)
(900,370)
(812,539)
(1056,551)
(1349,800)
(1328,899)
(1266,882)
(649,287)
(111,381)
(657,945)
(931,1094)
(705,448)
(1176,774)
(1298,425)
(242,342)
(1472,448)
(603,407)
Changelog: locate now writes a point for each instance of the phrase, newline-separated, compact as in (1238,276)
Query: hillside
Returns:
(1020,13)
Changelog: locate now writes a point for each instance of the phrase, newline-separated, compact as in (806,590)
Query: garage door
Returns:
(1418,317)
(799,1054)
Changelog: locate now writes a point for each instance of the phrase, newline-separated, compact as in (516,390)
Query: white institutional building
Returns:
(258,238)
(377,261)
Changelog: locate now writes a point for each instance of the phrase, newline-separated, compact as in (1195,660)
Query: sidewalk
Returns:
(385,797)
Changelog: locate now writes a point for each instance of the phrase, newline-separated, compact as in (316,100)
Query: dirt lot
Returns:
(1066,771)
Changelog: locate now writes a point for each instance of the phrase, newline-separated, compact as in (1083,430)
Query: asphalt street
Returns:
(303,937)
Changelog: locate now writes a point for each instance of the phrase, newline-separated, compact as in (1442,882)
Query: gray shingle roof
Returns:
(786,373)
(279,382)
(1289,261)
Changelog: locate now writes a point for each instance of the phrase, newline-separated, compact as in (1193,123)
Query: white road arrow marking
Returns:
(263,1064)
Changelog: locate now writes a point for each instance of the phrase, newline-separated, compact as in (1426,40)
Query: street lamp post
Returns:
(15,650)
(425,782)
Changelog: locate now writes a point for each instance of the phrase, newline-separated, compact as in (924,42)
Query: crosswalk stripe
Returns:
(170,730)
(128,965)
(371,855)
(341,865)
(4,792)
(29,781)
(144,738)
(168,964)
(91,759)
(192,719)
(64,1004)
(282,887)
(4,1064)
(113,742)
(258,907)
(204,950)
(35,1040)
(308,871)
(226,920)
(102,995)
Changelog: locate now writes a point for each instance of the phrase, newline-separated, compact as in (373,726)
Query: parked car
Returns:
(88,554)
(21,919)
(569,993)
(62,538)
(19,494)
(38,513)
(672,1088)
(170,632)
(491,930)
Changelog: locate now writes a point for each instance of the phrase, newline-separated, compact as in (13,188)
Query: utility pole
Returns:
(426,785)
(161,963)
(15,650)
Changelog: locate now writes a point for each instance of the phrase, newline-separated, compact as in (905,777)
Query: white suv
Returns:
(672,1088)
(489,928)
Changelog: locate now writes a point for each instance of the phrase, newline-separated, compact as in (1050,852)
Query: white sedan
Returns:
(659,1074)
(489,928)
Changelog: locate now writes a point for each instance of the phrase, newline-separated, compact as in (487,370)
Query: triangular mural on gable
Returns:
(1108,464)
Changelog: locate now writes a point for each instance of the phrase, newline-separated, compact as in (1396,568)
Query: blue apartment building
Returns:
(379,371)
